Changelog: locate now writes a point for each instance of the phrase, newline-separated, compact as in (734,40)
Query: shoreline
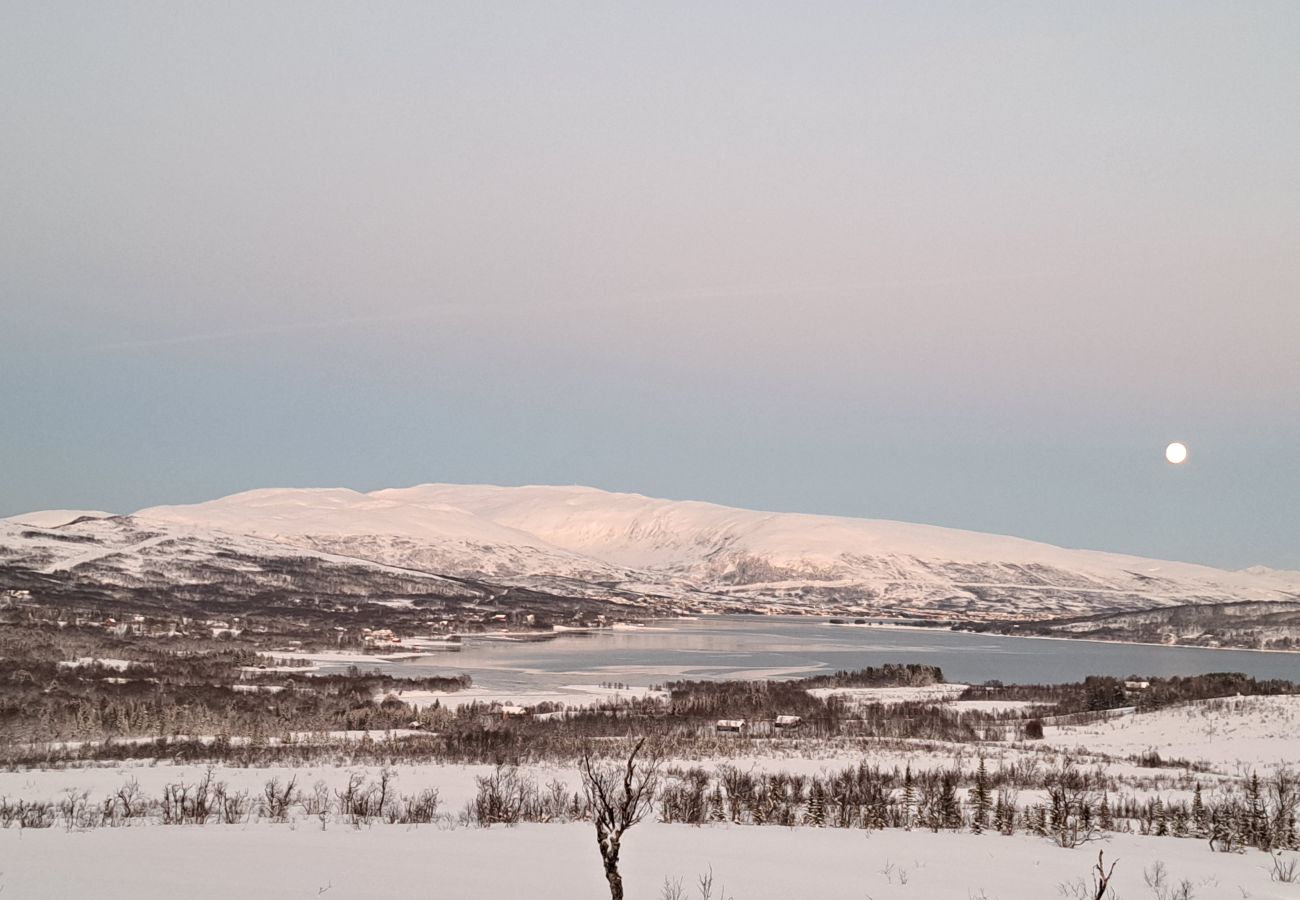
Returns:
(823,619)
(1092,640)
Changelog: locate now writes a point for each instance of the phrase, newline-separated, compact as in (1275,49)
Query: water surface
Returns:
(791,646)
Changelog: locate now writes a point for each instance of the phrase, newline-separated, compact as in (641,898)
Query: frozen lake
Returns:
(780,646)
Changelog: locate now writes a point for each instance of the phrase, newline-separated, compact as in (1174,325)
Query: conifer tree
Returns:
(1004,817)
(909,798)
(949,808)
(1039,824)
(1257,829)
(717,812)
(1200,820)
(816,814)
(980,800)
(1178,826)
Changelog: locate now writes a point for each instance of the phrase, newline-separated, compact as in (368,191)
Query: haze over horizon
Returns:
(938,264)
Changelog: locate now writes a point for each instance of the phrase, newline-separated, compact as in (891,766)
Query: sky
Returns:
(965,264)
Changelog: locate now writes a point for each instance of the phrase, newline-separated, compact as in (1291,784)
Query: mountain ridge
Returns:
(585,540)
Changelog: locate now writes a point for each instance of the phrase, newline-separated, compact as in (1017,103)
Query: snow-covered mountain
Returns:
(127,551)
(580,541)
(577,539)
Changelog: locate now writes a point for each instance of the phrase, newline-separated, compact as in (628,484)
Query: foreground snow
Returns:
(151,861)
(560,861)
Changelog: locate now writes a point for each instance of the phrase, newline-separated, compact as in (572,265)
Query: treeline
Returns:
(888,675)
(1101,692)
(47,702)
(1076,805)
(91,707)
(1181,689)
(208,801)
(768,699)
(1070,806)
(44,705)
(746,699)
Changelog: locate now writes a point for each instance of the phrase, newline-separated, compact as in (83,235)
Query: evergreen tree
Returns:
(816,814)
(1200,819)
(1105,818)
(949,807)
(909,798)
(877,811)
(1004,817)
(1225,829)
(1257,827)
(1178,821)
(717,812)
(980,800)
(1038,824)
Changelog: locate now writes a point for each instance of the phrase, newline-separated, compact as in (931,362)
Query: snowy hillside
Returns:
(127,552)
(583,542)
(539,535)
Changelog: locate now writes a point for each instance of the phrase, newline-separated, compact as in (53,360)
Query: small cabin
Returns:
(514,712)
(784,723)
(731,726)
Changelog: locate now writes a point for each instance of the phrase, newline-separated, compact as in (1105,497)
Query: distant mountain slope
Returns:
(1270,625)
(583,539)
(131,552)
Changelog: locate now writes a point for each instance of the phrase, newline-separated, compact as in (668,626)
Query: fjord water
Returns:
(793,646)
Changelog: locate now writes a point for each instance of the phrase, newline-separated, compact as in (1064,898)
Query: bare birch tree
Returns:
(620,796)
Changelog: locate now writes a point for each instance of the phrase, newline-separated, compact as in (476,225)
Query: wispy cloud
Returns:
(718,294)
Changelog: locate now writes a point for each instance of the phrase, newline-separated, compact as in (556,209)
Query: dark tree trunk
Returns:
(609,847)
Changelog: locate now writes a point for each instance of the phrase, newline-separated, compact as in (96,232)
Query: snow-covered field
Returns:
(930,693)
(1233,735)
(302,858)
(570,695)
(455,784)
(82,662)
(946,694)
(559,862)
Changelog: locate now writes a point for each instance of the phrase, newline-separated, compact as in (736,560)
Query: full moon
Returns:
(1176,453)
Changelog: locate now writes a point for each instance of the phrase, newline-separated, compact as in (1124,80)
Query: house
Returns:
(786,722)
(1136,685)
(513,712)
(10,598)
(731,726)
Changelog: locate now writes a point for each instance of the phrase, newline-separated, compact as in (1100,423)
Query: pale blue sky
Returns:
(966,264)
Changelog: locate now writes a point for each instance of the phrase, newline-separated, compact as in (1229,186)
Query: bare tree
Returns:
(620,796)
(1072,803)
(1100,888)
(1101,878)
